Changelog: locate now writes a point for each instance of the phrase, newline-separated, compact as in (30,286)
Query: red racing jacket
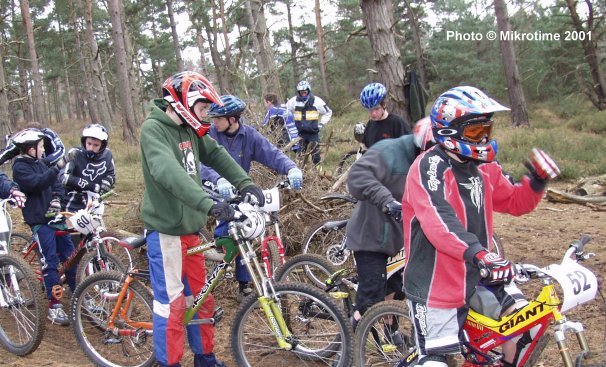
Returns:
(447,211)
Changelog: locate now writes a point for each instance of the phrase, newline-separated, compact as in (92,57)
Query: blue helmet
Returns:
(232,106)
(461,120)
(372,95)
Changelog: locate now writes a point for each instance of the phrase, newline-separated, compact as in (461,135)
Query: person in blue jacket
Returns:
(44,192)
(244,144)
(280,118)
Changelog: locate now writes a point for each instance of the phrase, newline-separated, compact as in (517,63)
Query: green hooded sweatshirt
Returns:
(174,202)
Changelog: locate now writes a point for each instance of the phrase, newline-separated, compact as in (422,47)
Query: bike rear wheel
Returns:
(91,307)
(326,238)
(321,333)
(384,336)
(22,307)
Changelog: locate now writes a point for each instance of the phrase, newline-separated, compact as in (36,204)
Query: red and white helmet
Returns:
(183,90)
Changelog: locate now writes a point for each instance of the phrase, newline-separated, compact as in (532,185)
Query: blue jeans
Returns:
(54,249)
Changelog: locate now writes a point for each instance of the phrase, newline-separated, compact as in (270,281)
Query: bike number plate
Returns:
(578,283)
(272,200)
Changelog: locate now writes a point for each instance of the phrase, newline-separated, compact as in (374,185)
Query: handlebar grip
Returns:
(107,194)
(580,243)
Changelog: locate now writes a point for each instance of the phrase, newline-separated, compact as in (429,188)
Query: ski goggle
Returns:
(476,132)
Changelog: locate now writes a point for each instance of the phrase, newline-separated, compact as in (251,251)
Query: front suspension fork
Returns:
(560,338)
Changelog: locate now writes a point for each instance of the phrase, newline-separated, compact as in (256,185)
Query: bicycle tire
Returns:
(312,317)
(274,258)
(94,300)
(20,242)
(26,311)
(310,269)
(327,241)
(374,340)
(346,161)
(538,350)
(111,263)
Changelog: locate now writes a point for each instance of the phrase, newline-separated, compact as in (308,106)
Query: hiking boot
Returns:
(57,316)
(243,293)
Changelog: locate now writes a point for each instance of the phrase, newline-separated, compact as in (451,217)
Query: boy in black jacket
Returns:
(44,191)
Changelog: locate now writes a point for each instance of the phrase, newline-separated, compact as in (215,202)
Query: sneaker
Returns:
(57,316)
(92,307)
(243,294)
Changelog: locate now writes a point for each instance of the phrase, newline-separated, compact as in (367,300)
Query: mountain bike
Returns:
(385,335)
(93,251)
(22,306)
(279,324)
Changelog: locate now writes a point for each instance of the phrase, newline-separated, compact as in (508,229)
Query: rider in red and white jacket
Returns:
(451,193)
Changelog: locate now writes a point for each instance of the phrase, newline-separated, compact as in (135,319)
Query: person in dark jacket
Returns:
(44,191)
(374,231)
(382,124)
(451,193)
(91,167)
(245,145)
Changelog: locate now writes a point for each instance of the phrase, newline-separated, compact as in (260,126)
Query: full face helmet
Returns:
(372,95)
(302,86)
(183,90)
(461,120)
(27,138)
(230,106)
(98,132)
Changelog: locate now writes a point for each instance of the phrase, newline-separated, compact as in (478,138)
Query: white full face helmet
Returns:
(254,224)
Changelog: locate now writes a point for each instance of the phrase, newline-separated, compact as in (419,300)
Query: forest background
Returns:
(68,62)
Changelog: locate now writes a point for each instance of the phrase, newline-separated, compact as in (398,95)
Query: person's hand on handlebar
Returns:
(256,192)
(493,268)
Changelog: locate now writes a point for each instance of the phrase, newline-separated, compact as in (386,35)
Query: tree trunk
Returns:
(227,64)
(212,37)
(80,115)
(96,67)
(592,54)
(57,101)
(24,97)
(293,44)
(133,73)
(379,20)
(4,106)
(37,94)
(128,122)
(416,40)
(321,56)
(173,27)
(519,110)
(270,81)
(68,92)
(85,77)
(201,50)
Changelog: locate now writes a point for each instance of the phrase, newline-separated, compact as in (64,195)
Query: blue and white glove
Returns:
(394,210)
(225,189)
(295,177)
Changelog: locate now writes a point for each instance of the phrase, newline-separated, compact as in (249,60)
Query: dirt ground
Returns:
(540,238)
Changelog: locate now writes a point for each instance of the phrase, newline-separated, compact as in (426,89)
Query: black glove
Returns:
(393,209)
(493,269)
(55,206)
(222,212)
(105,186)
(255,191)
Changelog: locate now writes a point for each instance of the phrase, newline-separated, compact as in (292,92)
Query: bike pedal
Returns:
(218,314)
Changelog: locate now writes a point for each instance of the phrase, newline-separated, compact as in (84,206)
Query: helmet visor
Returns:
(476,132)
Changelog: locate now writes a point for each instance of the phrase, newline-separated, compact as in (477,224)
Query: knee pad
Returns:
(432,361)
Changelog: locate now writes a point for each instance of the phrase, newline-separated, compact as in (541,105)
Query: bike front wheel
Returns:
(306,268)
(321,334)
(327,239)
(91,311)
(384,336)
(22,307)
(89,265)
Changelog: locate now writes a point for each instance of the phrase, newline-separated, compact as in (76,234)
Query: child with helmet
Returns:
(450,195)
(381,124)
(175,207)
(311,113)
(43,189)
(53,146)
(90,167)
(374,230)
(245,145)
